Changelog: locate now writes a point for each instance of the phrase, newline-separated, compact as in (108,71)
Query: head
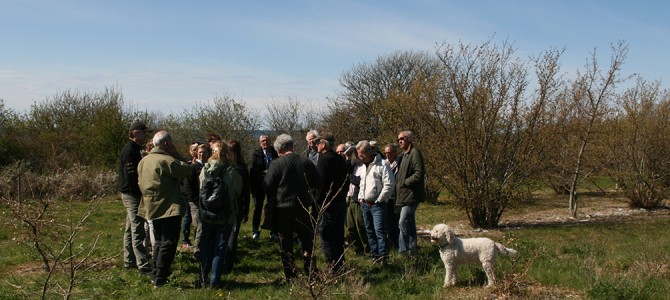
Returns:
(391,152)
(312,139)
(441,235)
(405,139)
(283,144)
(163,141)
(235,153)
(341,148)
(203,152)
(326,142)
(219,152)
(365,151)
(264,141)
(211,138)
(193,150)
(138,133)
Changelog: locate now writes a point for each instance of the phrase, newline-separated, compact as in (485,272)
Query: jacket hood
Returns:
(214,167)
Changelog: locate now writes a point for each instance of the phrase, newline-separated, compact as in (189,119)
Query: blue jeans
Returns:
(213,246)
(374,218)
(407,226)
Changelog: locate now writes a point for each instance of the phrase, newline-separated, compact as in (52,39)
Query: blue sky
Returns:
(169,55)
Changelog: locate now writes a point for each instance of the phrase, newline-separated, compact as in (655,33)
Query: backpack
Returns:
(214,201)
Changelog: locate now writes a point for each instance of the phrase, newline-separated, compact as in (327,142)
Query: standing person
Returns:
(357,236)
(376,184)
(162,203)
(135,254)
(186,190)
(410,189)
(332,169)
(312,152)
(237,162)
(290,178)
(393,216)
(260,161)
(220,188)
(191,191)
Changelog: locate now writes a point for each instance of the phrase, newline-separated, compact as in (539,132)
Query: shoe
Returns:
(159,282)
(256,236)
(146,272)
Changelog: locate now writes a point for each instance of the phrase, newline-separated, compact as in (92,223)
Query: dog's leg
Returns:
(490,272)
(450,276)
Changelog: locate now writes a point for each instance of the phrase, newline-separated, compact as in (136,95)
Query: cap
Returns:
(137,125)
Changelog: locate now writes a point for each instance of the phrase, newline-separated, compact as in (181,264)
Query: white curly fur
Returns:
(454,251)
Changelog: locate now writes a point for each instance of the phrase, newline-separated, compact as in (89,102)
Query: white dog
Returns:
(454,250)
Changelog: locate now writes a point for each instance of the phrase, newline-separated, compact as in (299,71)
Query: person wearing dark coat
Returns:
(410,190)
(260,161)
(332,201)
(291,177)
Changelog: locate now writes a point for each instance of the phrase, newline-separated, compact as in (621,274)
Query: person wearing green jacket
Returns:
(410,190)
(159,175)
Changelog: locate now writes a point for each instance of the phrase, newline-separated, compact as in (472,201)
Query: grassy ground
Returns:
(599,258)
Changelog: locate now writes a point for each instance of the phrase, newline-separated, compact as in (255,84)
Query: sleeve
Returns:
(388,182)
(415,169)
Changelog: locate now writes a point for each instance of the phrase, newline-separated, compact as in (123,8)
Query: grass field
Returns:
(619,258)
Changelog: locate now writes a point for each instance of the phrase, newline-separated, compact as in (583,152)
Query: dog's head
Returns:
(441,235)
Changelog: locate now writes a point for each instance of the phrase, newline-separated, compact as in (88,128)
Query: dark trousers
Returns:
(166,231)
(231,254)
(259,200)
(392,219)
(332,234)
(296,220)
(186,227)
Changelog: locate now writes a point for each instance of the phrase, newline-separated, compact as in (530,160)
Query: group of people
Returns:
(352,195)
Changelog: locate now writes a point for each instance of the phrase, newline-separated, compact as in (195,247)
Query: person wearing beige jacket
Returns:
(162,203)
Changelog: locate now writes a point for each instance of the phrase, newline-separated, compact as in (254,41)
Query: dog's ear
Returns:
(449,235)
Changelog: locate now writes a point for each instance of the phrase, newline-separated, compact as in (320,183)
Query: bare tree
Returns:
(485,125)
(362,110)
(284,116)
(639,147)
(590,98)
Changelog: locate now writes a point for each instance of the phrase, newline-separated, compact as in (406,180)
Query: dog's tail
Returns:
(506,251)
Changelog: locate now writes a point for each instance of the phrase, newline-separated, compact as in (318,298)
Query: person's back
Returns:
(292,176)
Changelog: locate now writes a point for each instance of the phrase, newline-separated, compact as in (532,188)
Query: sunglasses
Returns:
(402,138)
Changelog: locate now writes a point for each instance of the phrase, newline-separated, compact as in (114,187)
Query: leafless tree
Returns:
(485,126)
(589,101)
(639,147)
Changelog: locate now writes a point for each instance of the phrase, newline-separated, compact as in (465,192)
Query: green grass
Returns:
(626,260)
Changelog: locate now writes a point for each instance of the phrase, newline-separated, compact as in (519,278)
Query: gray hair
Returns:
(262,136)
(365,145)
(161,137)
(283,142)
(409,135)
(312,132)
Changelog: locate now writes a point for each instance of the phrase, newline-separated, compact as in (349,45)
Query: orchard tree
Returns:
(362,111)
(485,125)
(640,148)
(589,101)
